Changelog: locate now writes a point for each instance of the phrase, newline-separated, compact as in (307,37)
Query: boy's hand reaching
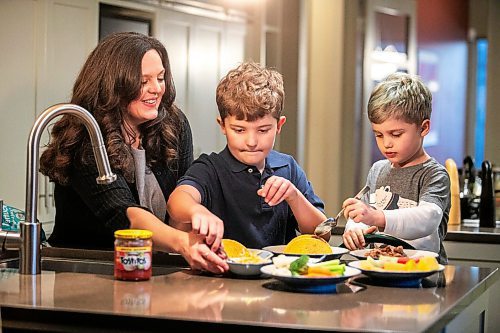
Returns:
(276,189)
(354,238)
(207,224)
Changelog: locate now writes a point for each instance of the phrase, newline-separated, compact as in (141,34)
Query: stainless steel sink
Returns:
(93,262)
(82,266)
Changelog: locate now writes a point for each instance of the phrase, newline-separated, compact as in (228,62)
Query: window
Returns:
(480,103)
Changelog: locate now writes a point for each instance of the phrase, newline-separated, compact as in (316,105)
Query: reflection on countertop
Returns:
(184,299)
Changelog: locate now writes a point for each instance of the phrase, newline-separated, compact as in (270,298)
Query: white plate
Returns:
(248,269)
(413,254)
(395,278)
(337,252)
(309,284)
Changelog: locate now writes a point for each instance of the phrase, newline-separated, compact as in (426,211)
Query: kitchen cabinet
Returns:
(467,247)
(478,255)
(45,44)
(201,51)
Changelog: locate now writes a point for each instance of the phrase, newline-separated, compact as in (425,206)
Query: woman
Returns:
(126,83)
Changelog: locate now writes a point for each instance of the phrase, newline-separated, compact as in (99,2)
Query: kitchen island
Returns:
(467,244)
(175,298)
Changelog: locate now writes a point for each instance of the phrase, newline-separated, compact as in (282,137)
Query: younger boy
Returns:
(247,192)
(410,196)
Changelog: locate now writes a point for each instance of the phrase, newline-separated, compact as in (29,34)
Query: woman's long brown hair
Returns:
(109,80)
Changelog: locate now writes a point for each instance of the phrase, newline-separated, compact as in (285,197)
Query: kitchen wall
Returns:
(332,137)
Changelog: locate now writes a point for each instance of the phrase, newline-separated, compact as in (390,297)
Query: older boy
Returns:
(248,192)
(410,196)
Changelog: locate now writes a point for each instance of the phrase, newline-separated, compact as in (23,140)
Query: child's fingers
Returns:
(354,239)
(216,236)
(273,189)
(360,239)
(213,231)
(196,225)
(370,230)
(349,244)
(204,227)
(280,195)
(269,188)
(347,211)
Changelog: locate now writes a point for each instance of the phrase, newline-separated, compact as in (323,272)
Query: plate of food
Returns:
(245,261)
(399,272)
(305,274)
(250,265)
(310,245)
(391,251)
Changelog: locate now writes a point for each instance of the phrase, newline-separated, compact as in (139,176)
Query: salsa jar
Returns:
(133,254)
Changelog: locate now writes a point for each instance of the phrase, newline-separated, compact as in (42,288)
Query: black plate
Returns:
(385,239)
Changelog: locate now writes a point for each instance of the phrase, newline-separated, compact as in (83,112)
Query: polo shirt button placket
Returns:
(250,170)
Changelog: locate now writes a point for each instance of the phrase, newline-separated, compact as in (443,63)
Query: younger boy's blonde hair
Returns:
(401,96)
(250,92)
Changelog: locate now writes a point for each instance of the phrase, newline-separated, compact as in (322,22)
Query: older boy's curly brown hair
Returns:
(250,92)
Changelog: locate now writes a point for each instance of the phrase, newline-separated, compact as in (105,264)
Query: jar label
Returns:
(133,258)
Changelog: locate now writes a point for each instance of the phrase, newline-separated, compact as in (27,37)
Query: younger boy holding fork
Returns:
(410,191)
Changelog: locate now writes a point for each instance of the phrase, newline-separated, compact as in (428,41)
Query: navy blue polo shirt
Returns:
(228,189)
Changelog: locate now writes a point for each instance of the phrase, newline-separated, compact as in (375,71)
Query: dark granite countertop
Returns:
(469,231)
(69,301)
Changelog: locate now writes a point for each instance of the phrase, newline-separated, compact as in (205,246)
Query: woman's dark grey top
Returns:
(88,214)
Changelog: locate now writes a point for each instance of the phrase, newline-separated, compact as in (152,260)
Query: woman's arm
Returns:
(108,202)
(165,238)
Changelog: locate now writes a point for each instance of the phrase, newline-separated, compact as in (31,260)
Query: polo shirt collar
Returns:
(273,161)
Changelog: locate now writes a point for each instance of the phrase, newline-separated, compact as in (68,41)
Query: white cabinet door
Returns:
(44,44)
(71,28)
(71,32)
(201,51)
(18,23)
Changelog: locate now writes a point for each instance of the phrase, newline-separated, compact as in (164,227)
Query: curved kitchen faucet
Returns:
(28,240)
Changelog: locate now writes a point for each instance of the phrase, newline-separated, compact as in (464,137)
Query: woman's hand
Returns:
(354,238)
(200,257)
